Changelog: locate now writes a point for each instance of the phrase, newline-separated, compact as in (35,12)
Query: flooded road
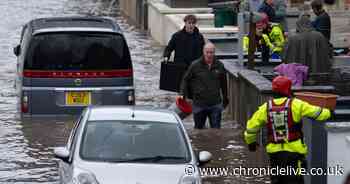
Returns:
(26,146)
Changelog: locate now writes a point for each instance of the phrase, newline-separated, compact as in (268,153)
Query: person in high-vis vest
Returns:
(261,39)
(277,39)
(282,117)
(269,38)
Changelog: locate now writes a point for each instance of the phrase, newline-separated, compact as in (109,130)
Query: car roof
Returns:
(76,22)
(141,113)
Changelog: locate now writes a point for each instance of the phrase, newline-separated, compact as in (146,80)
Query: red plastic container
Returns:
(183,105)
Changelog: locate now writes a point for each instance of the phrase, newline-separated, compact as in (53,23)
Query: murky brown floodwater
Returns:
(26,146)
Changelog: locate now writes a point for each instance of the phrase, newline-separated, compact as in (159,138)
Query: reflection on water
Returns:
(228,151)
(33,149)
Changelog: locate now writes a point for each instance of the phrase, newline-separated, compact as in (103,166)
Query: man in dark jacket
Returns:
(267,8)
(206,80)
(187,43)
(322,23)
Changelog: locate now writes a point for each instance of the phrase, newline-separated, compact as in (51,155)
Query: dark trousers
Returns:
(286,159)
(200,115)
(265,53)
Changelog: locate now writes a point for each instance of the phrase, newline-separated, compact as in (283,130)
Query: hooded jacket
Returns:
(188,46)
(308,47)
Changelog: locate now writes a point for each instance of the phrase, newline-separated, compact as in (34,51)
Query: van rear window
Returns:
(78,51)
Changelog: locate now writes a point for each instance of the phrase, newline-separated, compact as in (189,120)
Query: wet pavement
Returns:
(26,146)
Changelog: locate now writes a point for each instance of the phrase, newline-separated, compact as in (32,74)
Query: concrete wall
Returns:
(170,27)
(164,21)
(135,11)
(248,89)
(161,25)
(155,21)
(128,8)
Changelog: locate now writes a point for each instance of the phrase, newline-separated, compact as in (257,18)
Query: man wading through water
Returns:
(187,43)
(206,80)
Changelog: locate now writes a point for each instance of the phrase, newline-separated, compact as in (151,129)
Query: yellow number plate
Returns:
(78,98)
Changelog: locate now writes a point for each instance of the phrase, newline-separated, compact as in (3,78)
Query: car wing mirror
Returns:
(204,157)
(62,153)
(17,50)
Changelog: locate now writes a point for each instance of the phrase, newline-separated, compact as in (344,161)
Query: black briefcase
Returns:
(171,75)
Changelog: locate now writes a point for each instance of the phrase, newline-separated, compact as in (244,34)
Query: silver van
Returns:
(68,63)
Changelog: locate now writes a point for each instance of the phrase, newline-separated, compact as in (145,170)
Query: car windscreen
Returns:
(78,51)
(124,141)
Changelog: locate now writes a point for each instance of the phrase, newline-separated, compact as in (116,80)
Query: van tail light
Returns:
(24,105)
(78,74)
(131,98)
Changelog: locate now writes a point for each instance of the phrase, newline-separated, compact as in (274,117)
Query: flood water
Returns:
(26,146)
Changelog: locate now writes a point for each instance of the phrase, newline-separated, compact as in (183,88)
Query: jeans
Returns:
(265,53)
(200,114)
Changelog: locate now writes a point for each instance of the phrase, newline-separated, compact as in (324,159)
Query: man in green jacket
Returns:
(205,80)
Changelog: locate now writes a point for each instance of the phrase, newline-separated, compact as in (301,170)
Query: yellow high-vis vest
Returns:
(275,40)
(299,109)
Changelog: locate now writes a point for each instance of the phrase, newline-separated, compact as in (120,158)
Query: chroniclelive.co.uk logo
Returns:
(189,170)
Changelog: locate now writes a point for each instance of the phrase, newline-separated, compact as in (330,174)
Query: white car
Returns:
(129,145)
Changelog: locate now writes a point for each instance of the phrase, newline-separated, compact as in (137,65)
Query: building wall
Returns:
(128,8)
(164,21)
(135,11)
(155,24)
